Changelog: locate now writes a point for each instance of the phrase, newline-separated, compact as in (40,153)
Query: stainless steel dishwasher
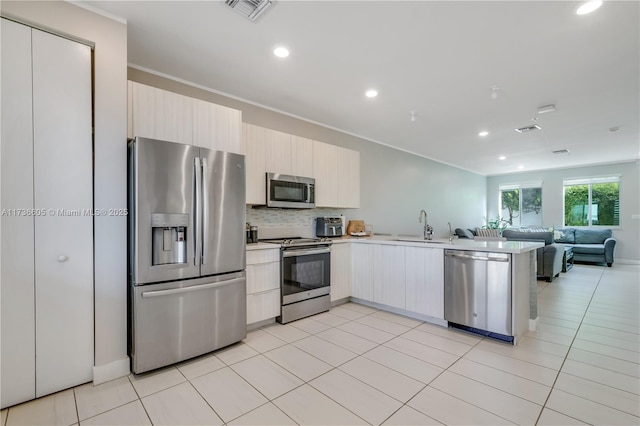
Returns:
(478,290)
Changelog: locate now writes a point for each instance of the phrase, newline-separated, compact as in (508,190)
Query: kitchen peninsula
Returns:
(407,275)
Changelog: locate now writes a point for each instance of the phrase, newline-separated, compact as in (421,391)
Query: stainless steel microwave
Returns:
(292,192)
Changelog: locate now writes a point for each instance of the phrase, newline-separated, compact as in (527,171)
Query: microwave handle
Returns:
(307,193)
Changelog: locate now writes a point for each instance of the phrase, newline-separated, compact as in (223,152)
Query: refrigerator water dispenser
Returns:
(169,238)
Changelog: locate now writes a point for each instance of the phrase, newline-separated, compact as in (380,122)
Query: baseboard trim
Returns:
(533,324)
(414,315)
(626,262)
(111,371)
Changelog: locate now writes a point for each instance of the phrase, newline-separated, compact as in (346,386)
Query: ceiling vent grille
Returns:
(251,9)
(561,151)
(528,128)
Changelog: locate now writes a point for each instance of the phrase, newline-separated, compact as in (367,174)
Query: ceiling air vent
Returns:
(528,128)
(252,9)
(561,151)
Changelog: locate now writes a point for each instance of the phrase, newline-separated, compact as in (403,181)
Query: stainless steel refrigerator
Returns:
(187,282)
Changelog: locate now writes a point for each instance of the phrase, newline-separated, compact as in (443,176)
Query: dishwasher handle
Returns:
(482,258)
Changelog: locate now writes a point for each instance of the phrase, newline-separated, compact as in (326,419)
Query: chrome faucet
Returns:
(428,230)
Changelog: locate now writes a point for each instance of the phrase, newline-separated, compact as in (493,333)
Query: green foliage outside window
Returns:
(592,204)
(523,204)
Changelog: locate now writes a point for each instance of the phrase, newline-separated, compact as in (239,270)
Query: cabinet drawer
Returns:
(263,256)
(262,277)
(263,306)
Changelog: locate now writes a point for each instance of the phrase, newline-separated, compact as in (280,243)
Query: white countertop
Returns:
(262,246)
(514,247)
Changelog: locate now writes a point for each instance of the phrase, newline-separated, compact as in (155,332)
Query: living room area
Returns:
(591,211)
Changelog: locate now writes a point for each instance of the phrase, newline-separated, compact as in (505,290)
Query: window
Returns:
(592,201)
(521,204)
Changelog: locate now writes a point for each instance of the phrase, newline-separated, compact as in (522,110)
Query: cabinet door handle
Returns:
(62,258)
(262,292)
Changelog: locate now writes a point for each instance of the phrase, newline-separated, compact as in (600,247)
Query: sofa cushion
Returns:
(513,235)
(484,232)
(592,236)
(568,236)
(464,233)
(589,249)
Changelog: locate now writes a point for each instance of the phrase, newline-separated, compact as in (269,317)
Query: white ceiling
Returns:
(439,58)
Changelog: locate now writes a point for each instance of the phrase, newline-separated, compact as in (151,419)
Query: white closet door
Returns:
(63,243)
(17,368)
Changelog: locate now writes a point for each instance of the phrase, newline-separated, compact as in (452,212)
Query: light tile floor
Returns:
(357,365)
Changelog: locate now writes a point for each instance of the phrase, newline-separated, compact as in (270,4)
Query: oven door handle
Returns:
(305,252)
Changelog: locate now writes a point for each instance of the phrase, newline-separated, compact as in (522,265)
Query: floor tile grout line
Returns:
(611,345)
(498,389)
(75,402)
(570,346)
(467,402)
(598,383)
(598,287)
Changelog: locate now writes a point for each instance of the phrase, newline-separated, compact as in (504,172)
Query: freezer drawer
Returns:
(478,290)
(175,321)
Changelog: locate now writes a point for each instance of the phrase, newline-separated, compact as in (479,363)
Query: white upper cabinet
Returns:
(217,127)
(159,114)
(164,115)
(255,163)
(337,174)
(348,178)
(301,156)
(277,152)
(325,168)
(335,169)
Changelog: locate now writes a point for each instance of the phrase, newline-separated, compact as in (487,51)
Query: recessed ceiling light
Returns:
(483,133)
(589,7)
(281,52)
(520,167)
(502,157)
(371,93)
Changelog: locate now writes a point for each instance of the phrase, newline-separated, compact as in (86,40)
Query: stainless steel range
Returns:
(305,277)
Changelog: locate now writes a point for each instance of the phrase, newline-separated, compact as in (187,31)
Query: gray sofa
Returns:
(589,244)
(549,256)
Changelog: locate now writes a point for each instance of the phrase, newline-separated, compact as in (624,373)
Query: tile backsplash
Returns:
(273,222)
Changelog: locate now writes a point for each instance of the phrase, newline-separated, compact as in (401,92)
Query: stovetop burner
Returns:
(299,241)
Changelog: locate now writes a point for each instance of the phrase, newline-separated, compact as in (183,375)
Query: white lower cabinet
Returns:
(263,284)
(340,271)
(402,277)
(388,275)
(362,271)
(424,278)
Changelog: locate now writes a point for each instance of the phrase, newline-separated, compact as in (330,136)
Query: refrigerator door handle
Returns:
(205,211)
(173,291)
(197,234)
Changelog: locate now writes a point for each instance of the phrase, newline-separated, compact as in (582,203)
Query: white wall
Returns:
(627,235)
(110,174)
(395,185)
